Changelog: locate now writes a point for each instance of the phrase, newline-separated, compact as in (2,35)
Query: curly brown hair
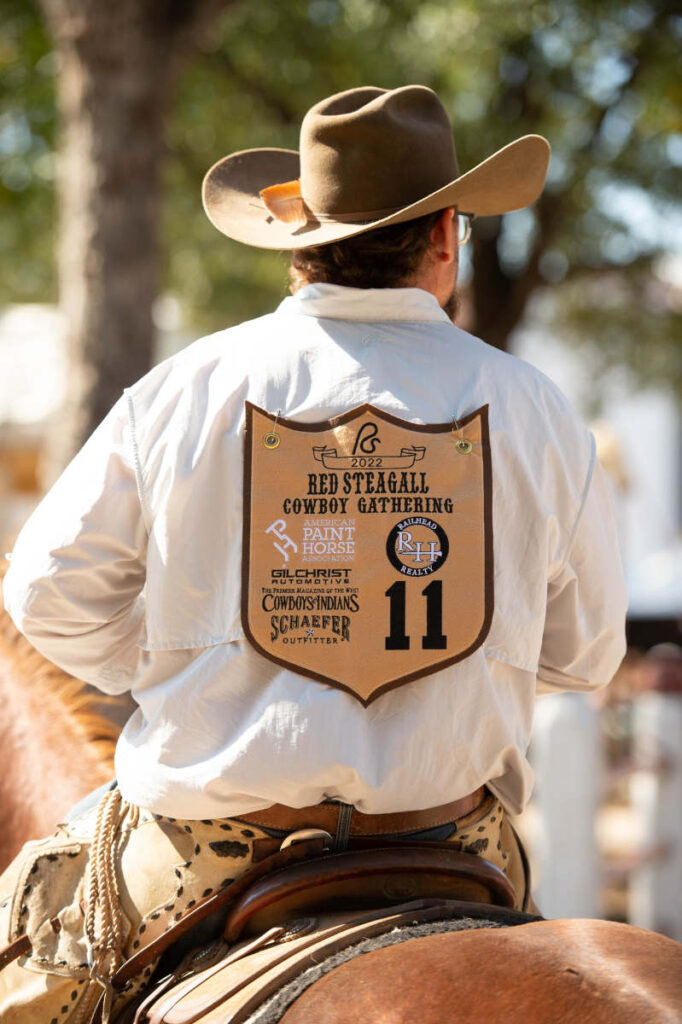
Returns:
(383,258)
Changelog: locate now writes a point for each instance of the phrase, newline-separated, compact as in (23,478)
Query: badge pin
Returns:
(271,439)
(463,446)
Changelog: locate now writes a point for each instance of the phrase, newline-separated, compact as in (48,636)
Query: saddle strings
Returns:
(104,927)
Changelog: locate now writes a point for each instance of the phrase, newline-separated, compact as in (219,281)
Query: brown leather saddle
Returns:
(301,906)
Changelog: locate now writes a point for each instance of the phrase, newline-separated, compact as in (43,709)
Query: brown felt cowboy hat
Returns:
(368,158)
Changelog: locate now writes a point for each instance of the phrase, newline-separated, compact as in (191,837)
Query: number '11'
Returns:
(433,640)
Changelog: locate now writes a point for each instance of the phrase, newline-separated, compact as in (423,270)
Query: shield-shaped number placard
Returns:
(368,558)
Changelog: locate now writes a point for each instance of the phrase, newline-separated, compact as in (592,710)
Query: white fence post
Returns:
(655,890)
(567,760)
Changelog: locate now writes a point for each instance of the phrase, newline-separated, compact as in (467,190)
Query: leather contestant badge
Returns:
(367,558)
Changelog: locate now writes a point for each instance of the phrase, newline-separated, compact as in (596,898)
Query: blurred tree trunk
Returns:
(499,297)
(118,64)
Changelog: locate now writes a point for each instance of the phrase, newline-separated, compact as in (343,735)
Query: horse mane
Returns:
(63,694)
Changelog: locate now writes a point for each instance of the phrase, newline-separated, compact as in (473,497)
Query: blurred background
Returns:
(110,114)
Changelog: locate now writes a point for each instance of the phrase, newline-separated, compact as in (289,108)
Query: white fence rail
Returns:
(571,784)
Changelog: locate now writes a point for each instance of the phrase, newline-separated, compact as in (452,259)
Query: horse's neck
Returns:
(55,747)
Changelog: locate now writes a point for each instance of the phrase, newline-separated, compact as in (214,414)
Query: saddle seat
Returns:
(364,878)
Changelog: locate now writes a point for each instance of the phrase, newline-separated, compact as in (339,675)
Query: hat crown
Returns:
(368,151)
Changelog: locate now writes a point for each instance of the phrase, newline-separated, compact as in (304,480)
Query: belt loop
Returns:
(342,827)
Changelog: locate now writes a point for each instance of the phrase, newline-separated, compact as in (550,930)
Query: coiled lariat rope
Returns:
(105,928)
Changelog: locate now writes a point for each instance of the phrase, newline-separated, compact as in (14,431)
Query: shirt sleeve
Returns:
(77,571)
(584,637)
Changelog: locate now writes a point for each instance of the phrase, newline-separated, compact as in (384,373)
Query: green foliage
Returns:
(602,79)
(27,141)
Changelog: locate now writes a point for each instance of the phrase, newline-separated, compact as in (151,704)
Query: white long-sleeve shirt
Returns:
(128,572)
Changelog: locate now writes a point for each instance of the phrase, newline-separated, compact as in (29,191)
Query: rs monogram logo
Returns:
(367,439)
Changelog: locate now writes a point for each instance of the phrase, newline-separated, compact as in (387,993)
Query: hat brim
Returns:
(510,179)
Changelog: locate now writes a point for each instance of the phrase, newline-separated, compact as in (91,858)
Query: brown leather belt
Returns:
(326,816)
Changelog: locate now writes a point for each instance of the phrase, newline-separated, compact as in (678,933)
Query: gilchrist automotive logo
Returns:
(417,546)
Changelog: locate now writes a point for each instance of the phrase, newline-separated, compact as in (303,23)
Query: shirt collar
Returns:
(341,303)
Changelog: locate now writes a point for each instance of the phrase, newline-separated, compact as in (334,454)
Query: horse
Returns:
(46,716)
(58,747)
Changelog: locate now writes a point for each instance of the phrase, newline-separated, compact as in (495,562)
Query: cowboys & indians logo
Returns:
(417,546)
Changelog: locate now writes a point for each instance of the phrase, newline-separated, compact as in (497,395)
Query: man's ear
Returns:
(443,240)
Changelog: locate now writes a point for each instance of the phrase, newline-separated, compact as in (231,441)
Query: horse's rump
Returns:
(546,972)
